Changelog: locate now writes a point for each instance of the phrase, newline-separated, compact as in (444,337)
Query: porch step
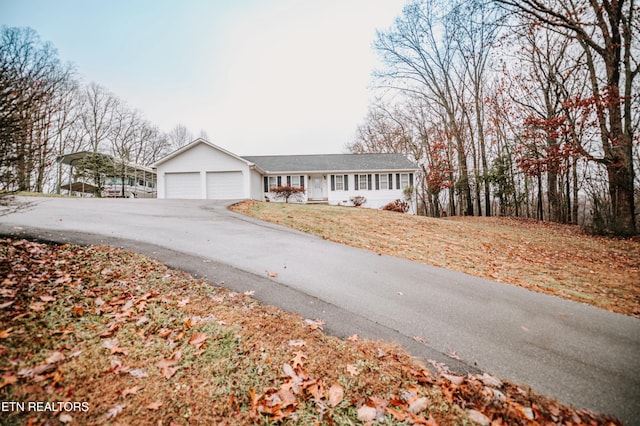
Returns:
(317,201)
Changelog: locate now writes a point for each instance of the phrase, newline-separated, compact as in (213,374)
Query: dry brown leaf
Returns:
(37,306)
(298,360)
(272,274)
(55,357)
(184,302)
(47,298)
(168,372)
(8,380)
(130,391)
(353,338)
(336,394)
(478,417)
(366,414)
(5,333)
(418,405)
(198,339)
(297,343)
(65,418)
(352,370)
(114,411)
(314,324)
(154,405)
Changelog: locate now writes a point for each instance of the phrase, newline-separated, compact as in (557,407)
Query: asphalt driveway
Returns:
(582,355)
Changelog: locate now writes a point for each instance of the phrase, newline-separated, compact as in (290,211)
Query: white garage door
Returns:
(224,185)
(182,185)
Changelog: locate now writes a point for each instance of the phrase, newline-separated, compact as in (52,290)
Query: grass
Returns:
(98,335)
(550,258)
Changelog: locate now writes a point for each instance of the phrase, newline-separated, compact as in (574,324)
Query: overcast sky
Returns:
(258,76)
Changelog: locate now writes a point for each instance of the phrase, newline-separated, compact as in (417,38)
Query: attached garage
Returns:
(204,170)
(183,185)
(224,185)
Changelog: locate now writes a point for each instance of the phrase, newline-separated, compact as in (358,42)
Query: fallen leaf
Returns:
(478,417)
(55,357)
(272,274)
(315,324)
(130,391)
(184,302)
(198,339)
(249,293)
(154,405)
(114,411)
(336,394)
(456,380)
(5,333)
(37,306)
(65,418)
(366,414)
(352,370)
(353,338)
(297,343)
(298,359)
(139,373)
(6,304)
(453,354)
(418,405)
(168,372)
(47,298)
(78,310)
(8,380)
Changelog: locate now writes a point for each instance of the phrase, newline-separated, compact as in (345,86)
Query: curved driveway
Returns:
(581,355)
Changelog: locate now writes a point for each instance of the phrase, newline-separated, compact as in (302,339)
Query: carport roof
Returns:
(332,163)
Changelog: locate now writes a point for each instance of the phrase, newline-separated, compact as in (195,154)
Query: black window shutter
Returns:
(302,182)
(289,180)
(390,183)
(279,180)
(377,182)
(333,182)
(410,179)
(397,180)
(346,182)
(369,185)
(266,184)
(355,182)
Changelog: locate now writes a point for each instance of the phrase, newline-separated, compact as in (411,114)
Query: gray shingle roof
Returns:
(331,163)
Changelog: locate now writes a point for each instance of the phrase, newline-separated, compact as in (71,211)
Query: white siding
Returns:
(182,185)
(225,185)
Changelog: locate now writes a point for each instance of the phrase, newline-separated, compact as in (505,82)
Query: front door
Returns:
(317,188)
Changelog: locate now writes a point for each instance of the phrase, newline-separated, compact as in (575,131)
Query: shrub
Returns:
(358,200)
(287,192)
(397,206)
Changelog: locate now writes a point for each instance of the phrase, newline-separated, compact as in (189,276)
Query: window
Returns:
(294,181)
(406,180)
(384,181)
(273,182)
(339,182)
(362,182)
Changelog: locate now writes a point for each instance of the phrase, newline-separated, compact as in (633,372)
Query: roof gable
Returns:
(196,143)
(332,163)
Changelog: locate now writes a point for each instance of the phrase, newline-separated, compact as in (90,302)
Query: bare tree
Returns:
(419,59)
(179,136)
(97,116)
(608,32)
(31,81)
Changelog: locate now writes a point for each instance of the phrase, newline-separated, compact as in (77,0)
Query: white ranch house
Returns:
(202,170)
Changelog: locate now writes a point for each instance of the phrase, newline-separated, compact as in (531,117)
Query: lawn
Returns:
(98,335)
(550,258)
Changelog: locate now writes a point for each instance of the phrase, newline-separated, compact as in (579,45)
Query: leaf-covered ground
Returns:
(96,335)
(544,257)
